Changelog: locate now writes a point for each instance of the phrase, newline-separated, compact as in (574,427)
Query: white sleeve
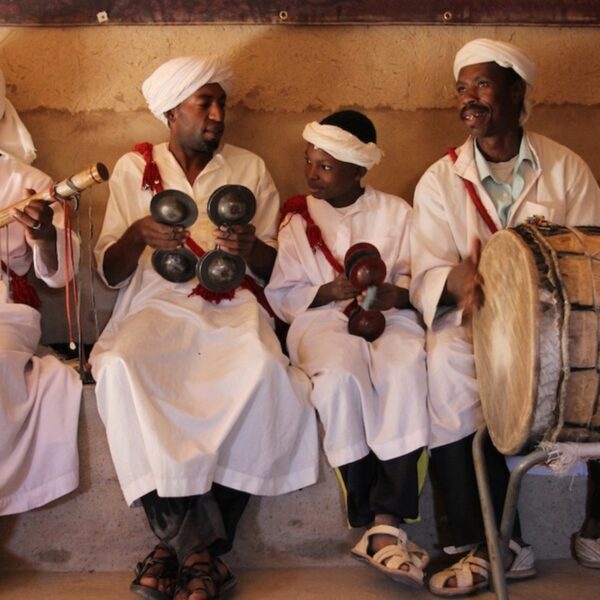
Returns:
(290,290)
(433,248)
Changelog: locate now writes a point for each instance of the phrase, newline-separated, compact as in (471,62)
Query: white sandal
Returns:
(390,559)
(522,566)
(587,551)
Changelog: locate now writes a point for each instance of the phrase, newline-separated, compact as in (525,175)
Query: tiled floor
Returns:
(556,580)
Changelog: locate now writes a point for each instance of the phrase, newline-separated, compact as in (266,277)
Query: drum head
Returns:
(177,266)
(220,271)
(231,205)
(505,339)
(173,207)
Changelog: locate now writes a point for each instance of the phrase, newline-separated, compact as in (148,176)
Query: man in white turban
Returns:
(499,177)
(201,407)
(39,396)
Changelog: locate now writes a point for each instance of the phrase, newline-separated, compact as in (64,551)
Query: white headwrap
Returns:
(179,78)
(341,144)
(504,54)
(14,137)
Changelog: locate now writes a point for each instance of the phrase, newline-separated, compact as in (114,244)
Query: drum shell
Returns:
(536,339)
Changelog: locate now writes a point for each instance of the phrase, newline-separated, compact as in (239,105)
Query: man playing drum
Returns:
(499,177)
(200,405)
(39,396)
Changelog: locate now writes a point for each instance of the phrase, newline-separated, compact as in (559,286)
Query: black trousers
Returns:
(454,475)
(593,496)
(195,523)
(376,486)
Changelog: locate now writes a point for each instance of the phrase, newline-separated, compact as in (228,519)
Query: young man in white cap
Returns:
(370,395)
(515,174)
(200,405)
(39,396)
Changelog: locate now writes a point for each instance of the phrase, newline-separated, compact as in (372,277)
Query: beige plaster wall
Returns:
(78,91)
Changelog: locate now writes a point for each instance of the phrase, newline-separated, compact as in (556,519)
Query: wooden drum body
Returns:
(536,339)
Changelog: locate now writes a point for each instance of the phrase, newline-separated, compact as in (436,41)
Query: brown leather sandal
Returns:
(204,584)
(168,571)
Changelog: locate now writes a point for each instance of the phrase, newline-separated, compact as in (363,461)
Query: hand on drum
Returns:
(36,217)
(236,239)
(465,283)
(158,235)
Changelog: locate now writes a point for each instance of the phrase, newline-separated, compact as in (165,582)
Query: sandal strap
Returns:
(168,563)
(464,569)
(392,556)
(188,573)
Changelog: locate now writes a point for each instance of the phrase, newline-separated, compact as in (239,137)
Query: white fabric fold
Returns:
(342,145)
(15,139)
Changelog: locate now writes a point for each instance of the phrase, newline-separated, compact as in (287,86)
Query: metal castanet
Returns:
(229,205)
(218,271)
(177,209)
(67,189)
(365,270)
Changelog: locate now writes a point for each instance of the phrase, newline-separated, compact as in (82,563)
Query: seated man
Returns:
(201,407)
(370,395)
(39,397)
(514,174)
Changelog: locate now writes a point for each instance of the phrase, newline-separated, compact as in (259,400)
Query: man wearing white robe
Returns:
(197,397)
(516,174)
(39,396)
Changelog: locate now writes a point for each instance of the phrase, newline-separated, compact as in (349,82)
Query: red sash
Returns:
(475,197)
(297,206)
(151,180)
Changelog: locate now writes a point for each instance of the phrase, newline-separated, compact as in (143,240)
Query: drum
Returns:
(536,337)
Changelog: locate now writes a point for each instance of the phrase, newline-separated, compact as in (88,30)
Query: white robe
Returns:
(193,392)
(39,397)
(562,189)
(369,395)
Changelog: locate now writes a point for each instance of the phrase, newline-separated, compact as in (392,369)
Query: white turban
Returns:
(504,54)
(179,78)
(14,137)
(343,145)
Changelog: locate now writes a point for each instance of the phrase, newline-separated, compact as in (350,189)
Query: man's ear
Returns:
(360,172)
(518,91)
(170,116)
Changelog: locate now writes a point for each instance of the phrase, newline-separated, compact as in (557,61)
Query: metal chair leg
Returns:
(489,518)
(512,493)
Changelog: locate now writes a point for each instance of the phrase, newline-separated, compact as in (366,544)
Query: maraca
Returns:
(366,271)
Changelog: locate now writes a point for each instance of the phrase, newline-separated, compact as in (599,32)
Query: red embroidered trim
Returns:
(475,197)
(297,205)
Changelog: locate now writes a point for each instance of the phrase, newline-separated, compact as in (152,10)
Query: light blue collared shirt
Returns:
(503,195)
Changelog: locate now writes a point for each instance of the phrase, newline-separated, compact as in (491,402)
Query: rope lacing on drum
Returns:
(555,276)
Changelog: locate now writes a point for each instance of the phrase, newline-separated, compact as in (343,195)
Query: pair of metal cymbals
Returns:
(218,271)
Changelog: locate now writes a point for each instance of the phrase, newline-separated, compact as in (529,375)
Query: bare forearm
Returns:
(121,259)
(261,260)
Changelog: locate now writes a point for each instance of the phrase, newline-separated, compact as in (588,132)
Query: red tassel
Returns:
(214,297)
(21,291)
(151,179)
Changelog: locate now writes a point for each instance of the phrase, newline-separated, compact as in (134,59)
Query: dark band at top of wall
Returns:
(300,12)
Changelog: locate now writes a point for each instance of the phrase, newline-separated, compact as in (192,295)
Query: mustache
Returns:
(473,107)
